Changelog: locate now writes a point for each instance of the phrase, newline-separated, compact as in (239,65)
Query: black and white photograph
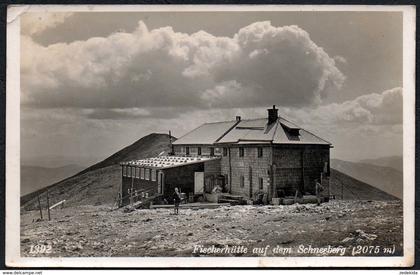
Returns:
(210,136)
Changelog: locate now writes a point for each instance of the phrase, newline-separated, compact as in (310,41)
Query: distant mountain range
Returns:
(56,161)
(33,178)
(100,183)
(388,179)
(344,187)
(395,162)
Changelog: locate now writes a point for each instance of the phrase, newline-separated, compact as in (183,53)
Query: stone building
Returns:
(269,156)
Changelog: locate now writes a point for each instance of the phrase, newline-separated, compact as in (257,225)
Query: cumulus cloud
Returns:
(340,59)
(33,23)
(373,109)
(260,65)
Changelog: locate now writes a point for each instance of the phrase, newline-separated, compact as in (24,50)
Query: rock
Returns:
(26,240)
(190,234)
(345,240)
(287,241)
(128,209)
(364,236)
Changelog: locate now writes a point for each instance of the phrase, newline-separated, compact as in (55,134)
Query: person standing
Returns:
(318,189)
(177,200)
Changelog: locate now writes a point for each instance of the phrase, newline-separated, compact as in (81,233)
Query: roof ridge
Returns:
(216,122)
(228,130)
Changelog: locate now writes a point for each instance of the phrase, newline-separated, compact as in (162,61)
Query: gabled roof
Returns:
(208,133)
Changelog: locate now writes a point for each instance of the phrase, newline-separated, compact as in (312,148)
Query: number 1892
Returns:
(40,249)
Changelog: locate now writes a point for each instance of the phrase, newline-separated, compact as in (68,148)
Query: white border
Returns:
(13,150)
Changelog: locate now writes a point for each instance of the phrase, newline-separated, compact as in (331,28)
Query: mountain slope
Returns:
(395,162)
(99,183)
(146,147)
(33,178)
(386,179)
(348,188)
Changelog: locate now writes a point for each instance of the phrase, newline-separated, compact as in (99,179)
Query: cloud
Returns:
(340,59)
(372,109)
(260,65)
(132,113)
(34,23)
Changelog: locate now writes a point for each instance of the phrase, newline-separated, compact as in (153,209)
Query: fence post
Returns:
(40,208)
(48,206)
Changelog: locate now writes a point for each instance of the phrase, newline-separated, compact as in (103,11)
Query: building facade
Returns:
(270,157)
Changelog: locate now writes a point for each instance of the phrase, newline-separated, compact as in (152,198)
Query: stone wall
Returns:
(251,167)
(297,167)
(315,158)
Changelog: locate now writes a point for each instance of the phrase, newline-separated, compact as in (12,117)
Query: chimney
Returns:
(272,115)
(170,144)
(238,118)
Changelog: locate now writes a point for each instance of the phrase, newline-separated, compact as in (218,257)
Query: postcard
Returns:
(210,136)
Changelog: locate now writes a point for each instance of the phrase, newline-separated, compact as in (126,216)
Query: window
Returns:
(242,182)
(142,173)
(153,175)
(193,151)
(260,152)
(261,183)
(129,171)
(147,174)
(241,152)
(225,151)
(199,151)
(187,150)
(211,151)
(137,172)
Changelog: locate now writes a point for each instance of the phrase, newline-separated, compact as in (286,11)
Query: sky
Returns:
(93,83)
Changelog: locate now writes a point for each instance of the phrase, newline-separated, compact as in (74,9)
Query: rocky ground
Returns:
(294,230)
